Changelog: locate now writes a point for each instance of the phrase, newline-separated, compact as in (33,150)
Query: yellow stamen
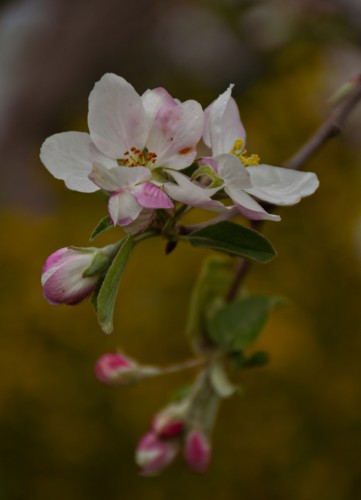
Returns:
(242,154)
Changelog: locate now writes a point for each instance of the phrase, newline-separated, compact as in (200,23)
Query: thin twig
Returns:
(329,129)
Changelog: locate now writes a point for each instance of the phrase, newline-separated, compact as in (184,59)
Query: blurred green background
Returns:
(297,432)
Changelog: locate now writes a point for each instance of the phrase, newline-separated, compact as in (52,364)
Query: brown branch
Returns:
(329,129)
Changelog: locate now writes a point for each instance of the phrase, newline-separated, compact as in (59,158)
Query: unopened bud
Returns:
(154,454)
(118,369)
(197,452)
(115,368)
(170,422)
(70,275)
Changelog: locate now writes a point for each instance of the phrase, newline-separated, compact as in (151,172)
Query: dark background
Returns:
(297,432)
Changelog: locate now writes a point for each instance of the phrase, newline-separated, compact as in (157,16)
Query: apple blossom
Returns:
(240,175)
(126,132)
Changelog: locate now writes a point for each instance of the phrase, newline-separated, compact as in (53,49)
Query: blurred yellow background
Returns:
(297,432)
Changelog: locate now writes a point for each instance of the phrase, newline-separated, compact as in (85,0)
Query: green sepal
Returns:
(158,175)
(210,173)
(233,239)
(180,393)
(99,265)
(208,294)
(238,324)
(105,298)
(103,225)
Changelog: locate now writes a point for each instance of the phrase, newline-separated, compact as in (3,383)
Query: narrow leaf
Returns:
(108,291)
(103,225)
(237,325)
(233,239)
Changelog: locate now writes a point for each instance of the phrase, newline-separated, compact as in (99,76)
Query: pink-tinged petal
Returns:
(281,186)
(223,124)
(119,177)
(70,156)
(175,133)
(249,207)
(54,260)
(192,194)
(62,277)
(197,451)
(233,173)
(150,196)
(153,454)
(154,99)
(117,119)
(123,208)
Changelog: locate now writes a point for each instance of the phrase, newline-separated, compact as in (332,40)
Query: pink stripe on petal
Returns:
(150,196)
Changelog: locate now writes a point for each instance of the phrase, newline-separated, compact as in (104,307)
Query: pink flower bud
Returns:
(63,278)
(153,454)
(197,452)
(116,369)
(169,422)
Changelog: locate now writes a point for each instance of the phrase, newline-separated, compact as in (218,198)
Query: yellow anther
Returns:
(242,155)
(237,147)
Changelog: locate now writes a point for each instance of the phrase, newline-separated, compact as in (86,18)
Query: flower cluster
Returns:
(155,158)
(138,147)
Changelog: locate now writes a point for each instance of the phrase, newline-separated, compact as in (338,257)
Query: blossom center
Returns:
(138,158)
(242,154)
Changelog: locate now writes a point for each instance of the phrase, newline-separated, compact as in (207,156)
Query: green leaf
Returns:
(103,225)
(208,294)
(259,358)
(233,239)
(255,360)
(238,324)
(105,299)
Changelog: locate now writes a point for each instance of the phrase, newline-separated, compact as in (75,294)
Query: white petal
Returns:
(70,156)
(118,177)
(123,208)
(192,194)
(281,186)
(175,133)
(223,124)
(249,207)
(233,173)
(117,119)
